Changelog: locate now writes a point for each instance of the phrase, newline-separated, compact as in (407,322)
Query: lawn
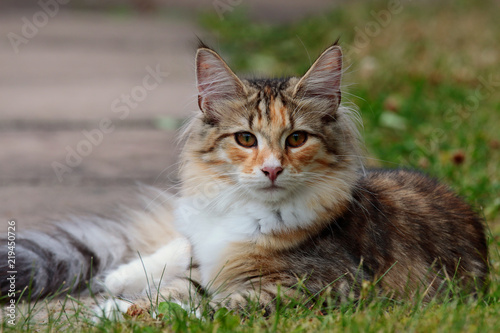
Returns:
(426,81)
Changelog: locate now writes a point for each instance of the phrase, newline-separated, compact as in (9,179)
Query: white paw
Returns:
(139,275)
(112,309)
(127,279)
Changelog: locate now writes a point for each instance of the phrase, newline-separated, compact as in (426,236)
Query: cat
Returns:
(275,201)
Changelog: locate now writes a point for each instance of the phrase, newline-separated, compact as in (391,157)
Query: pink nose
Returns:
(272,172)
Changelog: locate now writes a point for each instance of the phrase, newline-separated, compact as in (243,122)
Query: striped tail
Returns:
(74,255)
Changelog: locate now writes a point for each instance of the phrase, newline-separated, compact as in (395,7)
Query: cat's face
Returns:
(271,140)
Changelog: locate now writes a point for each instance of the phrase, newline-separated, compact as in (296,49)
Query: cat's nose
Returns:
(272,172)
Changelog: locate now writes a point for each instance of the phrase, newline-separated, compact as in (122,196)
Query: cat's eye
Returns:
(245,139)
(296,139)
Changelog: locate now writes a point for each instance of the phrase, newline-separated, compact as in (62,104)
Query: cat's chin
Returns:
(272,194)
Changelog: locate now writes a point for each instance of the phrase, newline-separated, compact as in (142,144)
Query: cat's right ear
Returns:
(217,84)
(322,80)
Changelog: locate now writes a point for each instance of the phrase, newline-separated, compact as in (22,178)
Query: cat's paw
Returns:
(125,280)
(115,309)
(112,309)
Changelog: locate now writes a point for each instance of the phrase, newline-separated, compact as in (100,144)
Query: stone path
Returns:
(69,81)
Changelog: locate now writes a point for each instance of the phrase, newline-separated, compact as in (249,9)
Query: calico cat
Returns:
(274,199)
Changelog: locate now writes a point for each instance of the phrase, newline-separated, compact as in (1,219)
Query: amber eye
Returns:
(296,139)
(245,139)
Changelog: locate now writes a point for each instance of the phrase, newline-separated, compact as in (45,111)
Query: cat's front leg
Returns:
(135,277)
(181,291)
(188,295)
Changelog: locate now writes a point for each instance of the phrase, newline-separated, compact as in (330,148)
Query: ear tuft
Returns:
(322,80)
(216,83)
(201,44)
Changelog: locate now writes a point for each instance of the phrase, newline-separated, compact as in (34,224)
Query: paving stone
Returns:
(64,81)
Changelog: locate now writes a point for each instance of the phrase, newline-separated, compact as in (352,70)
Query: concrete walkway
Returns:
(83,71)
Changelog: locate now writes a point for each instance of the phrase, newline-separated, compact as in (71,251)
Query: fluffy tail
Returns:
(73,255)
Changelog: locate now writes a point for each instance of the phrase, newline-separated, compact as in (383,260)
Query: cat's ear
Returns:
(217,84)
(322,80)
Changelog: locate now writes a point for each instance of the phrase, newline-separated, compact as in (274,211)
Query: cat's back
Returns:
(401,222)
(409,199)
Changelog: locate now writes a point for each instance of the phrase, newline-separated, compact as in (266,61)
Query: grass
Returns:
(455,314)
(427,87)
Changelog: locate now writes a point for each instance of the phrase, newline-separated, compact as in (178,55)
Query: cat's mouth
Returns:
(272,188)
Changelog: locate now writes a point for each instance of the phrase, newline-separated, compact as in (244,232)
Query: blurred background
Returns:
(92,92)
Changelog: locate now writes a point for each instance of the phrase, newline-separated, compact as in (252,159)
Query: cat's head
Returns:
(272,140)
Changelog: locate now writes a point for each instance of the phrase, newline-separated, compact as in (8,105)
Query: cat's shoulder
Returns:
(402,179)
(411,191)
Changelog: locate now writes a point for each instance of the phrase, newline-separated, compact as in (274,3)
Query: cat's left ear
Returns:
(217,84)
(322,80)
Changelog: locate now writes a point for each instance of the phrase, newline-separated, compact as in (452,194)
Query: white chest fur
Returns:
(211,231)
